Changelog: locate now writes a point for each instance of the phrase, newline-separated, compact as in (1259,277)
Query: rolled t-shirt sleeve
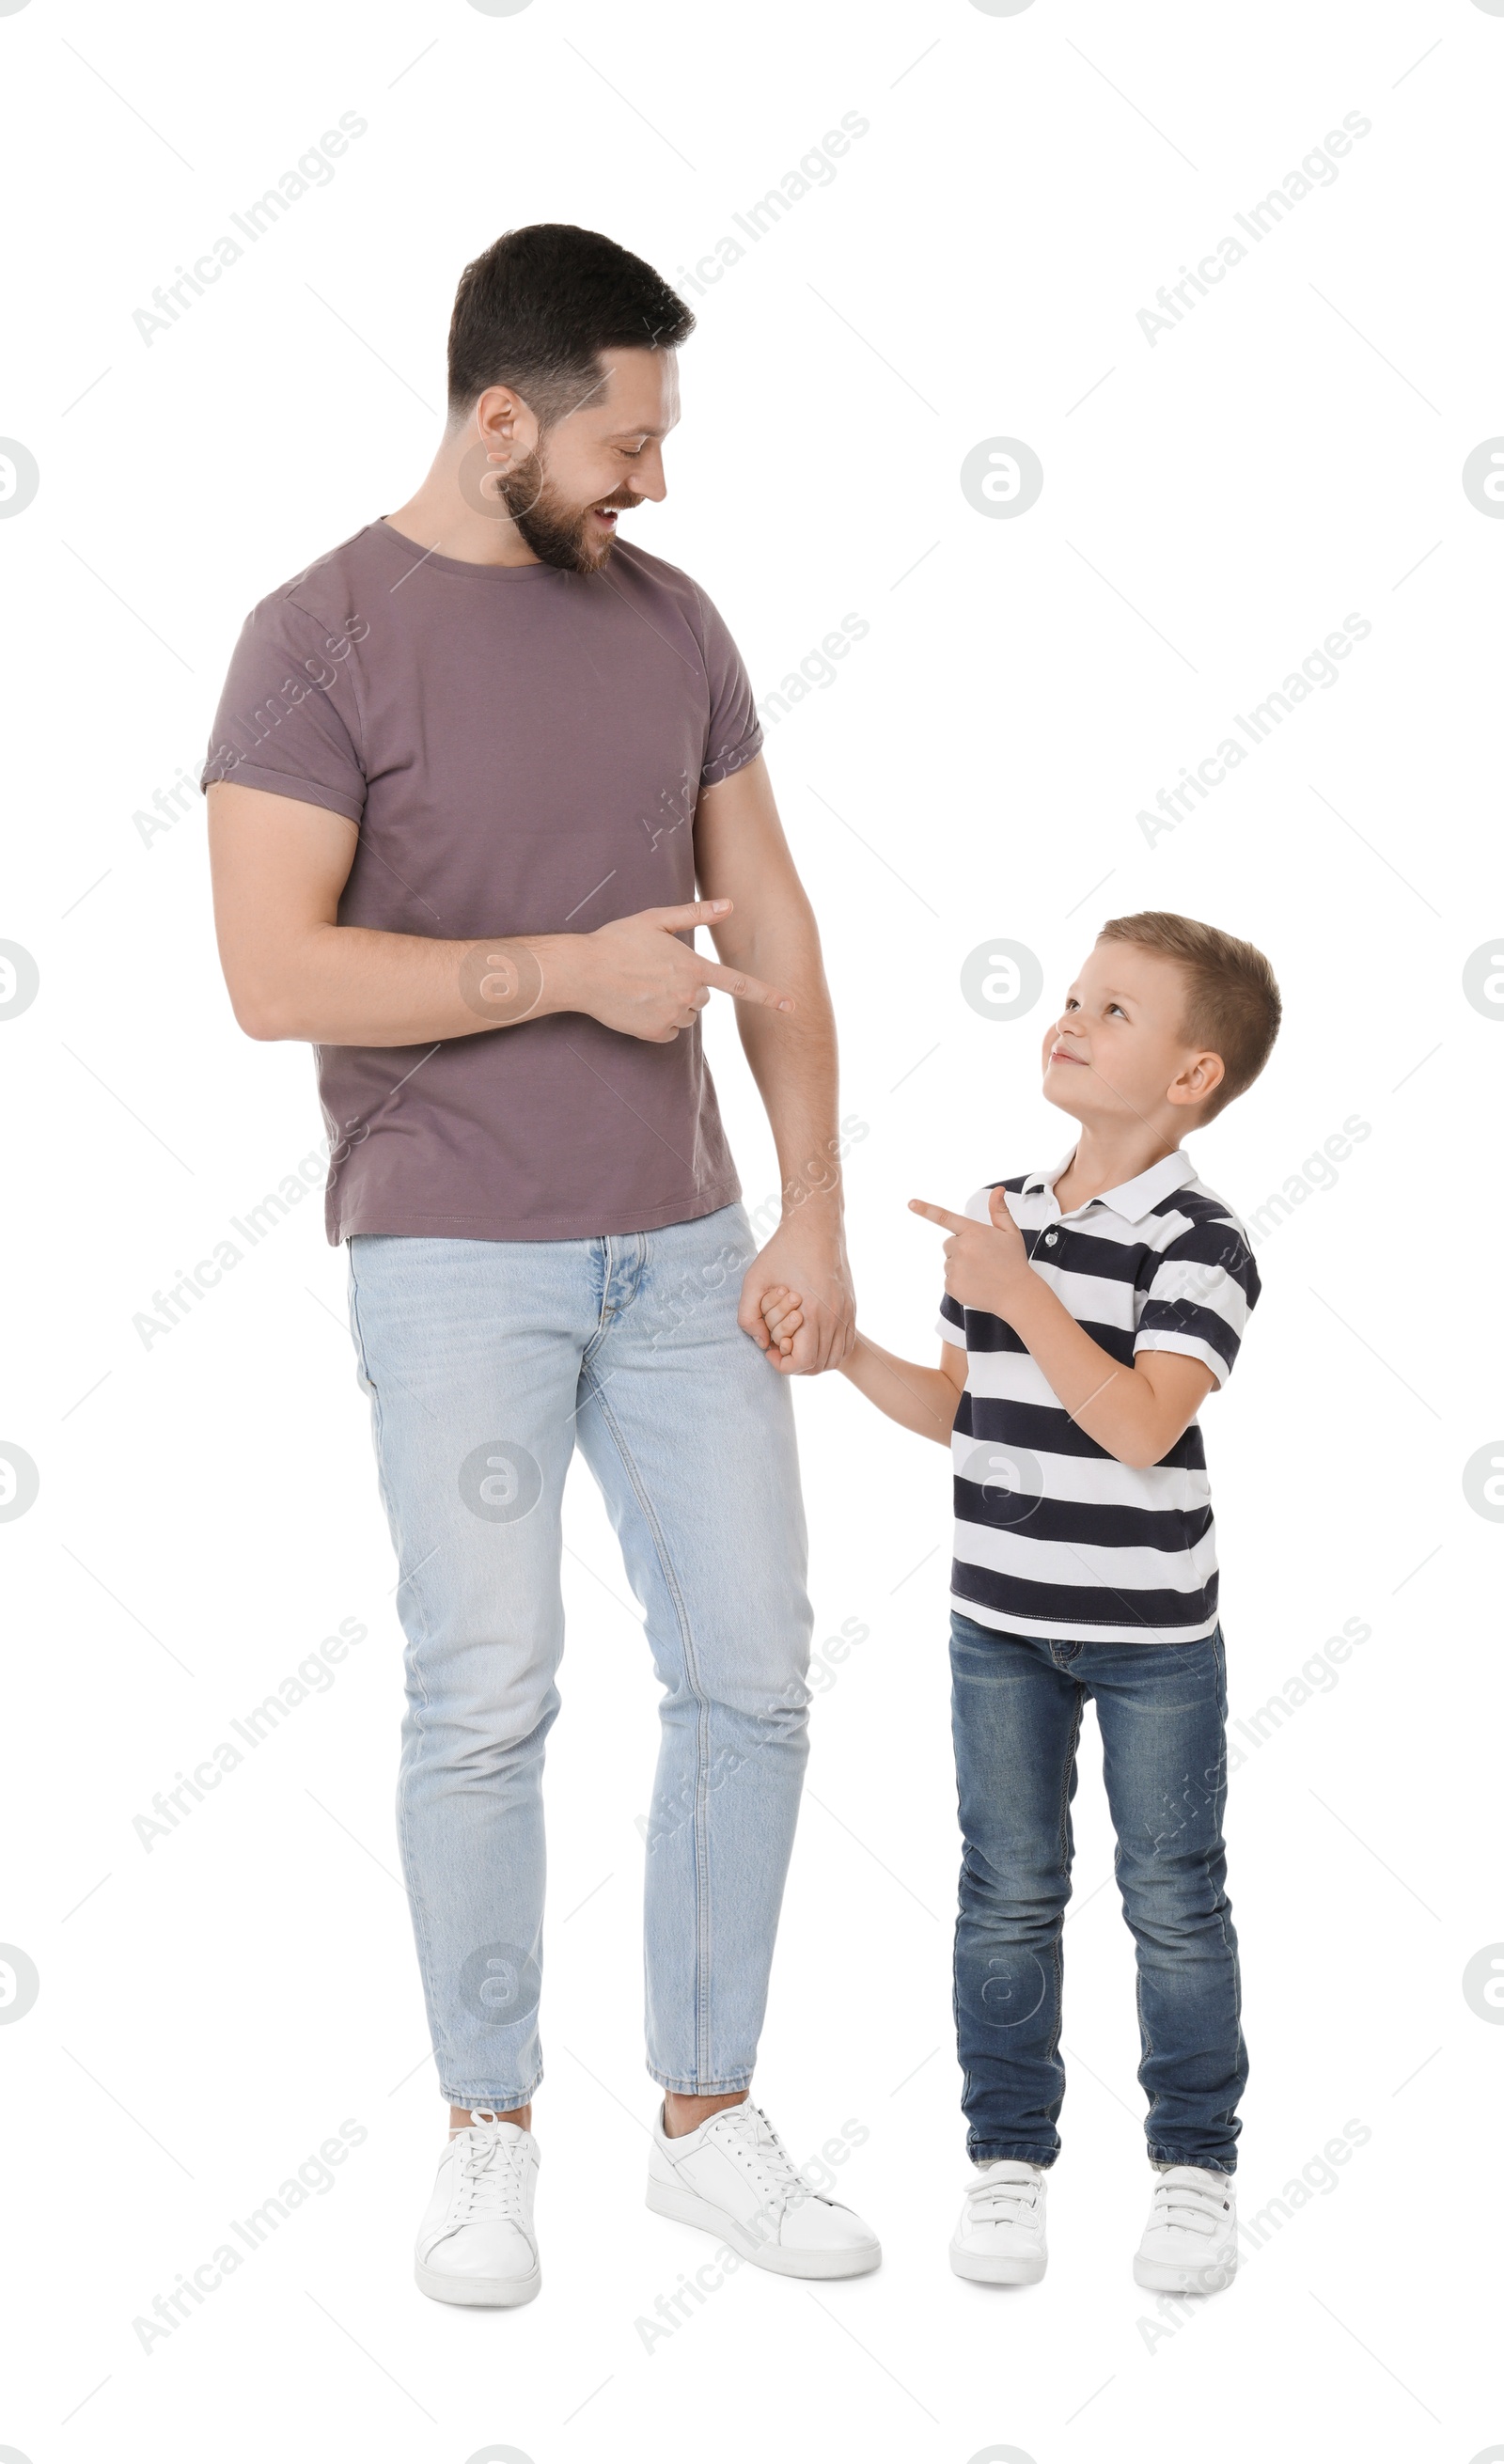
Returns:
(734,730)
(950,1324)
(1203,1288)
(287,720)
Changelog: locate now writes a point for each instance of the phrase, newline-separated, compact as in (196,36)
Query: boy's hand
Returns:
(986,1263)
(783,1314)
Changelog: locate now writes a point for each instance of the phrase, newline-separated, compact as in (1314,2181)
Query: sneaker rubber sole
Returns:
(1160,2276)
(478,2292)
(667,2199)
(979,2270)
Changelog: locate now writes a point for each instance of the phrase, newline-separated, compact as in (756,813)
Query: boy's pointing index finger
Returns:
(942,1215)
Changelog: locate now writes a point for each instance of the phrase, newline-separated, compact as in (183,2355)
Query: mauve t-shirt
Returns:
(522,750)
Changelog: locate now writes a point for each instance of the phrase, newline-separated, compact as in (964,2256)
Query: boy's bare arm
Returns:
(918,1398)
(1136,1412)
(921,1400)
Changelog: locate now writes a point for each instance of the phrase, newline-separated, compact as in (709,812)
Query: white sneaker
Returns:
(733,2177)
(1190,2241)
(477,2241)
(1000,2237)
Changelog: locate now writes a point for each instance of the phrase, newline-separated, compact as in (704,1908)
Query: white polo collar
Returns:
(1132,1200)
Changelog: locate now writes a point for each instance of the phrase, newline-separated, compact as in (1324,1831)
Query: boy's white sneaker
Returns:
(1190,2241)
(476,2242)
(1000,2237)
(734,2177)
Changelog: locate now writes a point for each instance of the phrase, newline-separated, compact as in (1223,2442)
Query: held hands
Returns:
(807,1327)
(638,978)
(783,1315)
(986,1266)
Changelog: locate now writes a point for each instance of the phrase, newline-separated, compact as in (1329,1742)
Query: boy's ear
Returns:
(1200,1076)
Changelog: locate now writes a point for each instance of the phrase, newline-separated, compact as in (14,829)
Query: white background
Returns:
(1213,506)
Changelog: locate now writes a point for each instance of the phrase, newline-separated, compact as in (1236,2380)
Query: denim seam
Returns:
(1020,2151)
(421,1921)
(1223,1929)
(1146,2040)
(1217,1808)
(1067,1848)
(701,1814)
(1208,2163)
(732,2086)
(501,2099)
(604,1321)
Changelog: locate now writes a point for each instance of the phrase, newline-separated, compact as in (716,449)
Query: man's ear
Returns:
(505,423)
(1202,1075)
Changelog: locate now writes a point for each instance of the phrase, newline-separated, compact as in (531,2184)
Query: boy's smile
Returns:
(1117,1052)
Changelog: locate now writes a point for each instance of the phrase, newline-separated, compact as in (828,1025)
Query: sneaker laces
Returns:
(491,2175)
(1184,2206)
(1002,2199)
(756,2145)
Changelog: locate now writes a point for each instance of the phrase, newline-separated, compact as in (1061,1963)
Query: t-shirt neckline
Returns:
(433,563)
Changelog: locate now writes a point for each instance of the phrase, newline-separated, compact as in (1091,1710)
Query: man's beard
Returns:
(555,532)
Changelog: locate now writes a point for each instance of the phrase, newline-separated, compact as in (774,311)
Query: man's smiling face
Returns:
(601,460)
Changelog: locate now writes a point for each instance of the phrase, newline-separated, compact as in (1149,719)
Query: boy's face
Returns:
(1118,1050)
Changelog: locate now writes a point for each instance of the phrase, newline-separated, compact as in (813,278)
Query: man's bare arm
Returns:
(296,973)
(741,855)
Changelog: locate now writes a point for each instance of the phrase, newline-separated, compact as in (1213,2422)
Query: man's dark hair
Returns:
(537,310)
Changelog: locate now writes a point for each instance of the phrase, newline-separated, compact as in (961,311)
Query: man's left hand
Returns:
(808,1254)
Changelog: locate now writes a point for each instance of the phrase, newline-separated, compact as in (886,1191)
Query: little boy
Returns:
(1088,1312)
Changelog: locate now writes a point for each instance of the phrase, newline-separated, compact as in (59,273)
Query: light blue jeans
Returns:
(484,1361)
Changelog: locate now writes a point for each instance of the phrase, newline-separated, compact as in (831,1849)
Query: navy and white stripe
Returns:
(1054,1535)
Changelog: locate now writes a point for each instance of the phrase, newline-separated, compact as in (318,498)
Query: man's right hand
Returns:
(636,976)
(296,973)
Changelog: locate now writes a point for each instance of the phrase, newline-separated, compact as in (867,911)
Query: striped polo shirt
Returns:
(1054,1536)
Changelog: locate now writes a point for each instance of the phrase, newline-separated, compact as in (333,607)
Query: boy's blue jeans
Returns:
(1162,1711)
